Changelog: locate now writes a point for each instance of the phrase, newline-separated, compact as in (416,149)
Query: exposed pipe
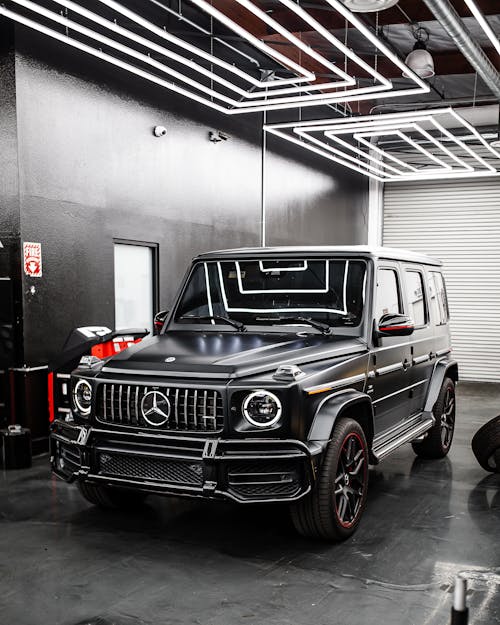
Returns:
(452,23)
(403,106)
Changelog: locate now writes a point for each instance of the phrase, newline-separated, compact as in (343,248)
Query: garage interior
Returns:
(138,134)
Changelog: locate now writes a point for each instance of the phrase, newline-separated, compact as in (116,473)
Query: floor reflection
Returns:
(64,562)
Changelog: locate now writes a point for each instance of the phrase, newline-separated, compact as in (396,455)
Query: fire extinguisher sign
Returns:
(32,253)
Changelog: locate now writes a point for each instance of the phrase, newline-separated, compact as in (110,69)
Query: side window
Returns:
(415,296)
(438,298)
(388,294)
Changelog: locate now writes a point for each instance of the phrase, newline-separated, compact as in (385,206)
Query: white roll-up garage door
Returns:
(459,223)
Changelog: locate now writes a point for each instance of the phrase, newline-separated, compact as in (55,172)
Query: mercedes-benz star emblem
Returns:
(155,408)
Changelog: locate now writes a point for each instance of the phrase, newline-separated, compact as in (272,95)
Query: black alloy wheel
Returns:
(437,441)
(448,417)
(333,509)
(350,480)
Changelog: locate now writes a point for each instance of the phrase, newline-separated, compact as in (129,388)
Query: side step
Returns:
(387,445)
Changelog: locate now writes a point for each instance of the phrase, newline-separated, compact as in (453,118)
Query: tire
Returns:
(486,445)
(332,511)
(438,441)
(111,498)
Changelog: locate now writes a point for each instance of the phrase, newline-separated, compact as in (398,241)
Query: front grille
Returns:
(148,468)
(190,410)
(249,491)
(264,479)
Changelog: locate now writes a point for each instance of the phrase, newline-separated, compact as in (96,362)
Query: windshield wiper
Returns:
(232,322)
(324,328)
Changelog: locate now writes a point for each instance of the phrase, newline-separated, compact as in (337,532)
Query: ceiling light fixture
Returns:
(369,6)
(417,145)
(420,59)
(223,94)
(476,12)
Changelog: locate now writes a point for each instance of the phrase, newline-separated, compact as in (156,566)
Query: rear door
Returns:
(390,359)
(422,350)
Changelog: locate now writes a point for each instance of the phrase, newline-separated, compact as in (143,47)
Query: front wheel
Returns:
(333,509)
(438,440)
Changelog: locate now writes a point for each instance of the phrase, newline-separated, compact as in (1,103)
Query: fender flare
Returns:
(442,369)
(332,407)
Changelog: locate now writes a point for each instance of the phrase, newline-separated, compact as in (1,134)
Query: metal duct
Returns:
(451,21)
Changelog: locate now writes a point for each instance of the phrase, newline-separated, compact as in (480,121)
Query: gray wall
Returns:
(310,204)
(90,171)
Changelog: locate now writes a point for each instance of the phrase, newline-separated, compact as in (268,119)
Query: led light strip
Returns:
(267,95)
(347,125)
(360,137)
(264,292)
(280,310)
(438,144)
(280,268)
(263,47)
(379,163)
(474,9)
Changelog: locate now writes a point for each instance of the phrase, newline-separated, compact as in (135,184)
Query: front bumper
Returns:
(246,471)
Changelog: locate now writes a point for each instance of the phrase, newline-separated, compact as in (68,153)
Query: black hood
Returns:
(228,354)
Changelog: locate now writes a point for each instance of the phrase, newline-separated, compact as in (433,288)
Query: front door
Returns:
(391,359)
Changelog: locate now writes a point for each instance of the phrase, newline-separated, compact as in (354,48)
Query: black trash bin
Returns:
(15,447)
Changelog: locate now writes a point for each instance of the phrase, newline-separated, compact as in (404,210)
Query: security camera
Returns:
(159,131)
(216,136)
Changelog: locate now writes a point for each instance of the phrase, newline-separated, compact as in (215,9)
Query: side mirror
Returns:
(395,325)
(159,320)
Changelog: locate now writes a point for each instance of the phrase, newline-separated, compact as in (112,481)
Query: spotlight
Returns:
(420,59)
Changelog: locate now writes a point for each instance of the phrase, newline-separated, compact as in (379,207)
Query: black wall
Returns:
(10,223)
(90,170)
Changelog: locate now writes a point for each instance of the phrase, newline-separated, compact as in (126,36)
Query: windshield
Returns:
(274,291)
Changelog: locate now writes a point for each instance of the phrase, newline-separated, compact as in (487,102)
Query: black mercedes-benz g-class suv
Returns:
(279,375)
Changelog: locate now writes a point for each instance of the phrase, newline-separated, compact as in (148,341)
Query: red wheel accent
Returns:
(350,480)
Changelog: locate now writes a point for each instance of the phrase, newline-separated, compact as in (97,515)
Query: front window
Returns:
(275,292)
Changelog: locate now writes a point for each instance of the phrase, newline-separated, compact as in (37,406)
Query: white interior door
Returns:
(134,283)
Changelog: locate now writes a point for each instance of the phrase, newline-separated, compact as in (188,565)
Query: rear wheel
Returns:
(438,440)
(111,498)
(333,509)
(486,445)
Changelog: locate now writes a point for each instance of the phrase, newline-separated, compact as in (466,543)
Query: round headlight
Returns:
(262,409)
(82,396)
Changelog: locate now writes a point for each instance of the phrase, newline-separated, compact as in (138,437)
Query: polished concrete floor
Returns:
(64,562)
